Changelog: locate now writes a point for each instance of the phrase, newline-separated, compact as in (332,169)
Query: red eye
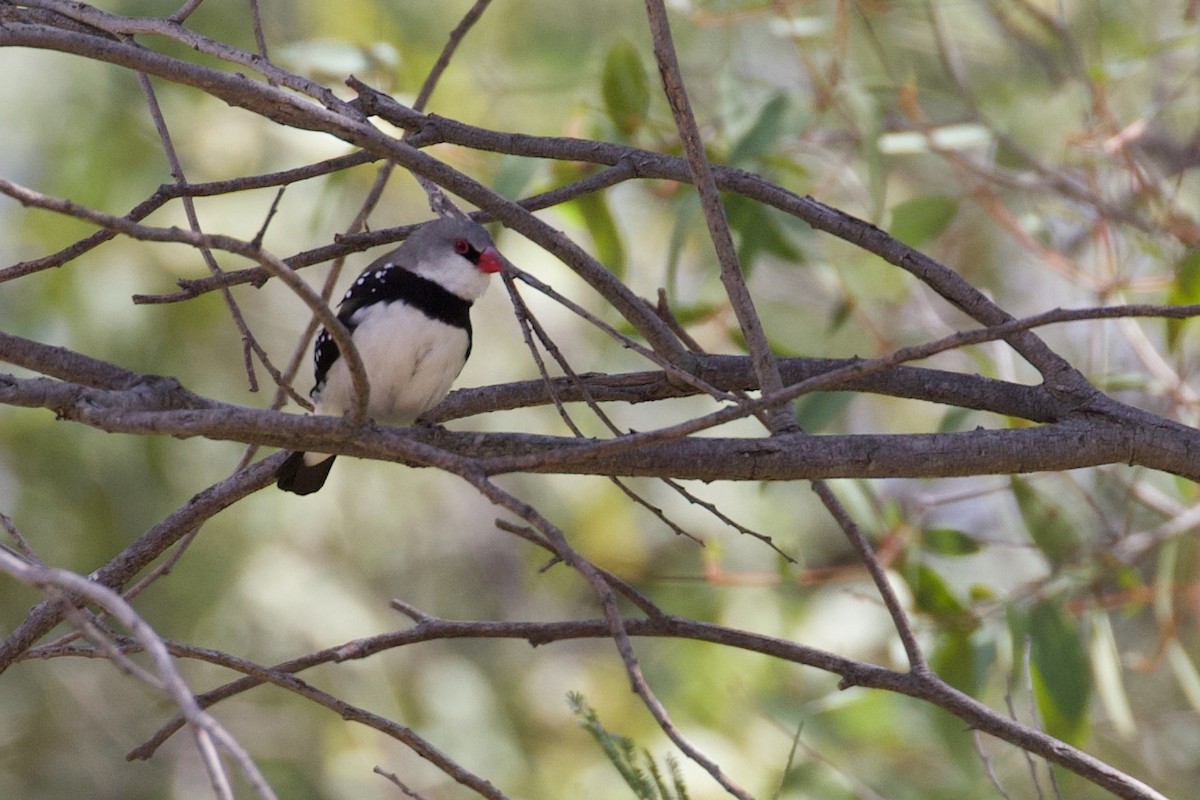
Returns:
(462,246)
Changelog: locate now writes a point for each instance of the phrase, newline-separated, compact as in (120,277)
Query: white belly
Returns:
(411,361)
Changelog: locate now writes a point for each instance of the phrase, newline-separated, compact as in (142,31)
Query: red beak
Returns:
(490,261)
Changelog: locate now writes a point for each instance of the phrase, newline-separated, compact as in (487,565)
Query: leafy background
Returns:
(1013,580)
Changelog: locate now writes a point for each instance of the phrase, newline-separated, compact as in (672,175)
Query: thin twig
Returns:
(438,202)
(346,244)
(260,39)
(529,327)
(209,733)
(288,681)
(612,614)
(42,618)
(359,382)
(23,546)
(391,777)
(988,768)
(1030,764)
(912,649)
(189,208)
(169,28)
(765,366)
(852,671)
(185,11)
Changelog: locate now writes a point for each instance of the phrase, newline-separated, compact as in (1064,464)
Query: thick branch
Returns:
(59,362)
(725,372)
(432,129)
(1138,438)
(291,110)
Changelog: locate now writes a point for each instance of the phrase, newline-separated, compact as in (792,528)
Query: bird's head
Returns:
(456,253)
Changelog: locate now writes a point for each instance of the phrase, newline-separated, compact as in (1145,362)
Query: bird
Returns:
(408,314)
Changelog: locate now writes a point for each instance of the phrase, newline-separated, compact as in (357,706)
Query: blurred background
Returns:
(1045,150)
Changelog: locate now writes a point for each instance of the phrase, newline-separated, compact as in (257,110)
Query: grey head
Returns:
(458,254)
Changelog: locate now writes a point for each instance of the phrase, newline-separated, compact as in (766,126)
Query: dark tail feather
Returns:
(299,478)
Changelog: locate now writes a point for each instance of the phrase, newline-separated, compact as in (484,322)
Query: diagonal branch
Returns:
(314,301)
(431,129)
(171,191)
(124,27)
(765,366)
(348,243)
(854,673)
(61,585)
(42,618)
(294,111)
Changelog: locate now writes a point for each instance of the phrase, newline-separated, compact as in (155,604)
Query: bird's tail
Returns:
(298,476)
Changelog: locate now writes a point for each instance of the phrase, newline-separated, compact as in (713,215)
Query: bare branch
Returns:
(1075,424)
(42,618)
(1129,435)
(317,304)
(208,732)
(765,367)
(358,242)
(164,194)
(854,673)
(945,282)
(286,680)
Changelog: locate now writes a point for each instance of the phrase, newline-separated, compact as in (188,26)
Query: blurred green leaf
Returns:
(738,338)
(962,661)
(603,229)
(921,219)
(1061,673)
(1105,658)
(842,311)
(953,660)
(816,411)
(1046,523)
(624,87)
(1164,582)
(869,115)
(514,175)
(933,596)
(591,211)
(770,125)
(289,779)
(1127,581)
(1185,290)
(948,542)
(758,231)
(697,312)
(953,420)
(686,209)
(981,593)
(1186,674)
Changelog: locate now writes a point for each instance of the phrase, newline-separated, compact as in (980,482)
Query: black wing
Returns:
(387,283)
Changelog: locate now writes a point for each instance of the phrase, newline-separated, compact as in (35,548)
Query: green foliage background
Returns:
(818,97)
